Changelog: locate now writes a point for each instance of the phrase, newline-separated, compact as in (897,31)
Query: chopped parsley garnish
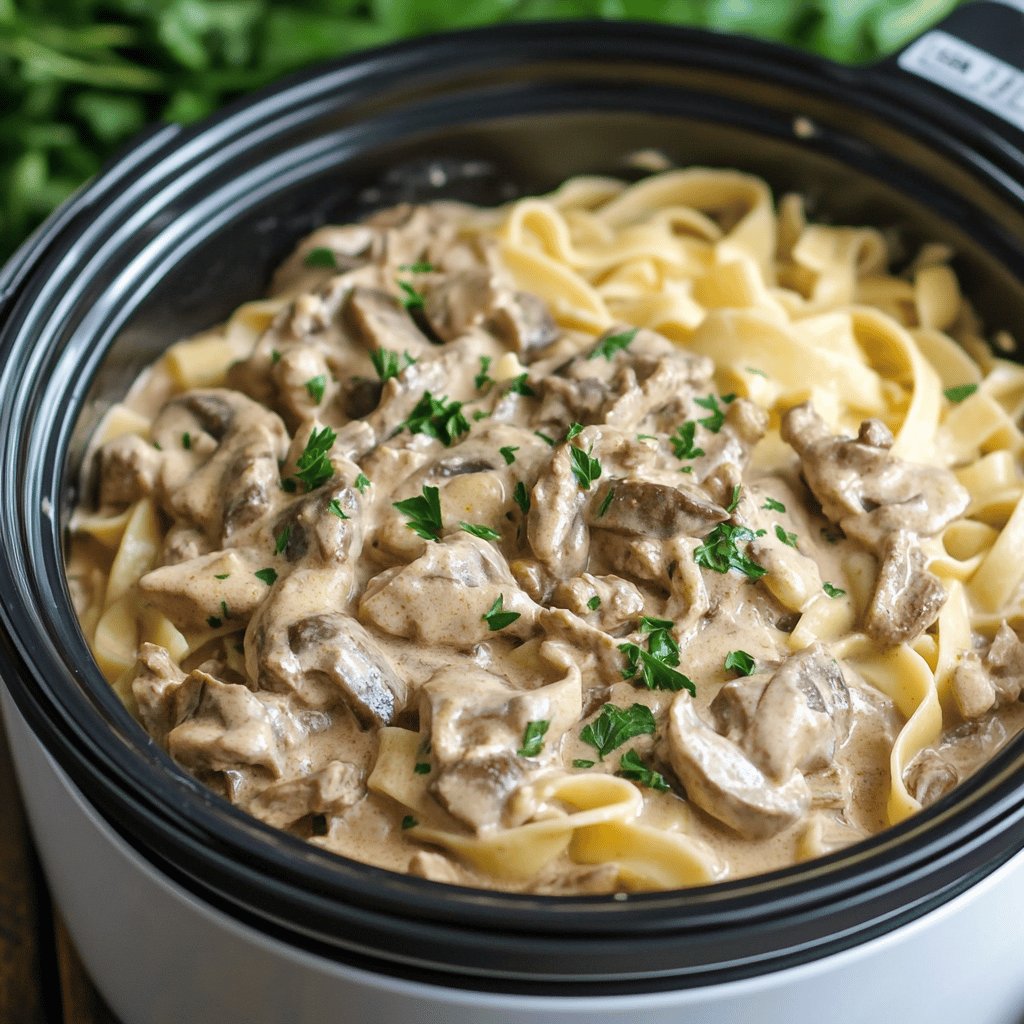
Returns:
(544,437)
(423,513)
(224,610)
(582,762)
(521,497)
(646,437)
(608,346)
(281,539)
(386,363)
(533,738)
(959,392)
(682,442)
(575,429)
(650,625)
(334,507)
(268,576)
(186,441)
(314,467)
(785,536)
(483,379)
(361,483)
(739,661)
(720,551)
(757,373)
(321,257)
(656,665)
(731,507)
(717,418)
(833,591)
(411,298)
(632,767)
(275,357)
(421,768)
(409,822)
(480,414)
(158,446)
(616,725)
(608,498)
(771,505)
(478,530)
(213,622)
(496,618)
(316,387)
(438,418)
(585,467)
(594,603)
(419,267)
(222,576)
(518,386)
(508,453)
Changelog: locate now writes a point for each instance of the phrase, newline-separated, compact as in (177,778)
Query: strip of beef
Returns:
(327,791)
(981,683)
(647,508)
(605,601)
(128,470)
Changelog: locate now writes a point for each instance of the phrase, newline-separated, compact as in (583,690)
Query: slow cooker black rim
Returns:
(655,914)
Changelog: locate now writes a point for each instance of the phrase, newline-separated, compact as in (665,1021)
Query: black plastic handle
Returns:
(976,58)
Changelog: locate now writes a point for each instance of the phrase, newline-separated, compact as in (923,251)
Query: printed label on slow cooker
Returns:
(969,72)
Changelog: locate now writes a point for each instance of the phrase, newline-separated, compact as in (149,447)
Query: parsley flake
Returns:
(419,267)
(361,483)
(314,467)
(717,418)
(334,507)
(594,603)
(386,363)
(186,441)
(575,429)
(437,418)
(421,767)
(632,767)
(281,539)
(582,762)
(585,467)
(544,437)
(518,386)
(608,345)
(731,507)
(213,622)
(833,591)
(741,662)
(268,576)
(222,576)
(321,257)
(496,618)
(756,372)
(411,298)
(316,387)
(533,738)
(785,536)
(275,357)
(521,497)
(423,513)
(483,379)
(682,442)
(771,505)
(615,725)
(481,531)
(608,498)
(409,822)
(508,453)
(656,665)
(959,392)
(720,551)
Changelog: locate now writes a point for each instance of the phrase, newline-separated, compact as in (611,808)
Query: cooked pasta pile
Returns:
(628,537)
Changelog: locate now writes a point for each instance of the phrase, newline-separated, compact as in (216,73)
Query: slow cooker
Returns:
(185,909)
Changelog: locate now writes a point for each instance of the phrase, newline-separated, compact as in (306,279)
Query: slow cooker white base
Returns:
(160,956)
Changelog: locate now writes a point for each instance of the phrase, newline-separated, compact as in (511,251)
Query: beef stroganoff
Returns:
(628,537)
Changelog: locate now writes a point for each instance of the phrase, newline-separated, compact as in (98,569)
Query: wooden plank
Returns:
(21,1001)
(80,1002)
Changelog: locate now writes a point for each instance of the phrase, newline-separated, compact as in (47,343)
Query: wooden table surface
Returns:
(41,978)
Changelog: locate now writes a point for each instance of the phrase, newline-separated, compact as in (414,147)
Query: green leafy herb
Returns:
(608,346)
(720,551)
(773,506)
(334,507)
(646,437)
(833,591)
(533,738)
(419,267)
(281,539)
(582,762)
(186,441)
(785,536)
(438,418)
(682,442)
(321,257)
(651,625)
(421,768)
(480,414)
(594,603)
(222,576)
(314,467)
(268,576)
(632,767)
(496,618)
(275,357)
(959,392)
(224,610)
(575,429)
(757,373)
(615,725)
(158,446)
(411,298)
(518,386)
(213,622)
(386,363)
(361,483)
(521,497)
(717,418)
(731,507)
(508,453)
(544,437)
(656,665)
(483,379)
(423,513)
(316,387)
(478,530)
(608,498)
(409,822)
(739,661)
(584,466)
